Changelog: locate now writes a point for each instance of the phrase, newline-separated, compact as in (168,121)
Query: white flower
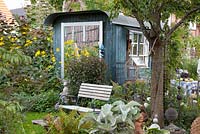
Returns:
(146,105)
(148,98)
(194,101)
(182,104)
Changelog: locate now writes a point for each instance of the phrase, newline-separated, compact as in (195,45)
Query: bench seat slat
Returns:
(95,97)
(96,88)
(78,108)
(94,91)
(95,85)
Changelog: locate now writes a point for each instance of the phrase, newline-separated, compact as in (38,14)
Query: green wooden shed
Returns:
(125,47)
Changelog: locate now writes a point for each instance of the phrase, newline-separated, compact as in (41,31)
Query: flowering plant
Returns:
(72,50)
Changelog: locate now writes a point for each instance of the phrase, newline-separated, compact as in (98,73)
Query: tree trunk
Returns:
(157,107)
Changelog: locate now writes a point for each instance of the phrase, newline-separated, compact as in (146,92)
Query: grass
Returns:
(31,128)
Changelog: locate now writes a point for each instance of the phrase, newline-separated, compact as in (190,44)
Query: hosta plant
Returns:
(114,118)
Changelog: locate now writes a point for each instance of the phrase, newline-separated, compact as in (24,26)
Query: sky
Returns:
(13,4)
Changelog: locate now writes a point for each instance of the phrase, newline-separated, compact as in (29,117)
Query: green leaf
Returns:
(94,131)
(124,112)
(133,104)
(106,110)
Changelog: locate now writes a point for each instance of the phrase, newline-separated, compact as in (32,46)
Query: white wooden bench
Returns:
(92,91)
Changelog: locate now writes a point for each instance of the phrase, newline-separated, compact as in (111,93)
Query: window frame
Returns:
(84,24)
(145,44)
(192,26)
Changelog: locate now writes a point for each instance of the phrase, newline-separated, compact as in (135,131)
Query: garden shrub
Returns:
(187,114)
(43,102)
(28,54)
(96,103)
(11,54)
(46,101)
(34,80)
(137,90)
(10,118)
(67,123)
(85,69)
(195,42)
(191,66)
(187,110)
(27,68)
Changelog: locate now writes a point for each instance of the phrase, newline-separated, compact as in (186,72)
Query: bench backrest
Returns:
(94,91)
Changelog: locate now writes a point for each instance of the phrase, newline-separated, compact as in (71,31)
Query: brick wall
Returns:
(4,10)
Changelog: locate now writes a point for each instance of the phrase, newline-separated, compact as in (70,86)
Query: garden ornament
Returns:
(65,89)
(180,71)
(171,115)
(198,68)
(101,50)
(195,127)
(198,71)
(143,117)
(64,93)
(174,129)
(139,124)
(155,123)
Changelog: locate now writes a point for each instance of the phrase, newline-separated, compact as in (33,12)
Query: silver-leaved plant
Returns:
(116,118)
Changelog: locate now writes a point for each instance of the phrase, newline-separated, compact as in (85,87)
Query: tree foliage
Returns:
(157,12)
(158,33)
(176,51)
(10,54)
(57,4)
(38,11)
(104,5)
(195,42)
(26,55)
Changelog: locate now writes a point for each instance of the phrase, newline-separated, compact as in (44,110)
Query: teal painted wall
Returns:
(57,44)
(120,43)
(109,53)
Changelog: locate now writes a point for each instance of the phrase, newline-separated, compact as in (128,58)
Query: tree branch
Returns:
(143,27)
(161,6)
(140,21)
(180,22)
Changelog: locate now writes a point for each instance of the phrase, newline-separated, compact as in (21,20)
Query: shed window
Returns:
(83,34)
(139,48)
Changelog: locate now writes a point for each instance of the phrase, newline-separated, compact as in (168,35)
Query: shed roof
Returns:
(18,12)
(120,20)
